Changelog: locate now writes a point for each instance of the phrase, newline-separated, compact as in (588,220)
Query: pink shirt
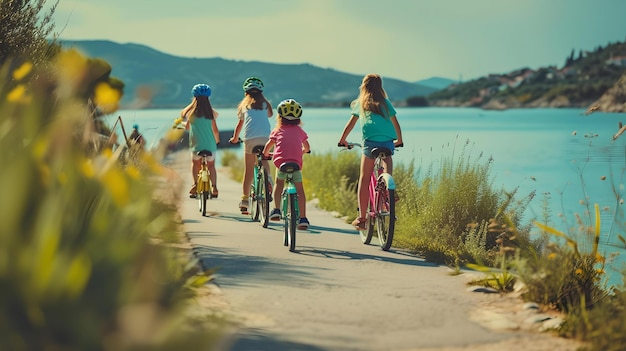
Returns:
(288,148)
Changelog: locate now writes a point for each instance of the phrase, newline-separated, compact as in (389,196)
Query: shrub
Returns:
(79,267)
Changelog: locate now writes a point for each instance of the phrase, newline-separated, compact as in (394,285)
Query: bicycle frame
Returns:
(289,205)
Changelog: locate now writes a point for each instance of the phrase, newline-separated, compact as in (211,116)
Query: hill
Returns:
(583,79)
(438,83)
(167,79)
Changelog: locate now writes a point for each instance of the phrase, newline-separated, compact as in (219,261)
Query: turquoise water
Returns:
(560,153)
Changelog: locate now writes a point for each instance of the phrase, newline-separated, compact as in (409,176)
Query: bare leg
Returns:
(367,166)
(278,190)
(301,199)
(212,175)
(249,160)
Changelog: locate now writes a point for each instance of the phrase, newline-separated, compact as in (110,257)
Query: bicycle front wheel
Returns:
(290,222)
(385,214)
(264,198)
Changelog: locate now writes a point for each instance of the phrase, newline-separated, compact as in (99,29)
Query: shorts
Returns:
(195,157)
(297,175)
(249,144)
(369,145)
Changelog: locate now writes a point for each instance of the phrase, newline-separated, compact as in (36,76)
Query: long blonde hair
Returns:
(372,95)
(200,106)
(254,100)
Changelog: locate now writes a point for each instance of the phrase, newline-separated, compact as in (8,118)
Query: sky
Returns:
(409,40)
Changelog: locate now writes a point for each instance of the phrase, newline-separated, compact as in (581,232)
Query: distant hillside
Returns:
(169,78)
(583,79)
(438,83)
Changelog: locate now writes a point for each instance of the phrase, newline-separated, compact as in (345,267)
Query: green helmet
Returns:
(253,83)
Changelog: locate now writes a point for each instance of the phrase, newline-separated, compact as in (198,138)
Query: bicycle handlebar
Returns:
(351,145)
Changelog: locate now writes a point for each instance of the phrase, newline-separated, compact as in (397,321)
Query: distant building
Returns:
(617,61)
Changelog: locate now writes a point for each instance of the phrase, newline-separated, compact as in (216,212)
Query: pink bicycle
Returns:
(381,209)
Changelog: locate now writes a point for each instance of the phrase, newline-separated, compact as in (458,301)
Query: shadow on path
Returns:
(408,259)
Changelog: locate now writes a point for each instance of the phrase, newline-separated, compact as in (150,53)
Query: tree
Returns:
(24,32)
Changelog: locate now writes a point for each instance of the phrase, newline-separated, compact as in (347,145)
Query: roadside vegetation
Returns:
(450,213)
(90,254)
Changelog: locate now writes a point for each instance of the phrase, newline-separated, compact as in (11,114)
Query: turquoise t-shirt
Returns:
(201,135)
(375,127)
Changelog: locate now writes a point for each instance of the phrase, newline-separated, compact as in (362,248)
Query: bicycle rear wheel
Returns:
(204,197)
(385,214)
(253,204)
(263,207)
(290,222)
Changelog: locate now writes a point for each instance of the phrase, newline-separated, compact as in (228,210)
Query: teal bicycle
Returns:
(289,205)
(260,191)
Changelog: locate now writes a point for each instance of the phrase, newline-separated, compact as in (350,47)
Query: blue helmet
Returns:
(201,90)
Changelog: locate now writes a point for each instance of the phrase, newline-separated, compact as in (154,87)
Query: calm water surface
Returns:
(561,154)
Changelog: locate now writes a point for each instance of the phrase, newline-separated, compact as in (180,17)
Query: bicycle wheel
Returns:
(204,197)
(385,214)
(366,235)
(264,199)
(253,203)
(290,221)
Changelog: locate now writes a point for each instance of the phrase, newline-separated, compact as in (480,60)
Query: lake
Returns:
(559,153)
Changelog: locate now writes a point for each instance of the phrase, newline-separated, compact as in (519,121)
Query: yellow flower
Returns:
(107,97)
(579,271)
(22,71)
(17,94)
(552,256)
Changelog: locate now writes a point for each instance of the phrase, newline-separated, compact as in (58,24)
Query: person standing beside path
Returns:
(253,113)
(199,117)
(289,142)
(379,128)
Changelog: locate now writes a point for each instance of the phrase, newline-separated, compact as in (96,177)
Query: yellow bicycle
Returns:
(203,184)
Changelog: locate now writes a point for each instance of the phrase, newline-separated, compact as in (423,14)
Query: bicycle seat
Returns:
(204,153)
(381,150)
(258,149)
(289,167)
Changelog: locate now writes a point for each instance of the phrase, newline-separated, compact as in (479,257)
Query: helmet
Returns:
(289,109)
(201,90)
(253,83)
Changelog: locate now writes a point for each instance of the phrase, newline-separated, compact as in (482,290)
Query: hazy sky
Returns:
(405,39)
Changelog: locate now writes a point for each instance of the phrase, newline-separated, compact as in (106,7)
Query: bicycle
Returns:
(381,208)
(203,184)
(289,205)
(260,194)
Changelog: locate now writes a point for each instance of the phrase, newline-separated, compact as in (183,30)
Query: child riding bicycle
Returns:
(253,115)
(203,133)
(289,142)
(379,128)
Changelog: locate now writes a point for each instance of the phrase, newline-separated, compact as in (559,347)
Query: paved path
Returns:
(333,293)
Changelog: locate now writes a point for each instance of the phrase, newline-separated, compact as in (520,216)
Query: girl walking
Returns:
(379,128)
(199,117)
(253,115)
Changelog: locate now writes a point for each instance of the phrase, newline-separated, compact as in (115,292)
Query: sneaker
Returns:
(303,224)
(275,215)
(243,206)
